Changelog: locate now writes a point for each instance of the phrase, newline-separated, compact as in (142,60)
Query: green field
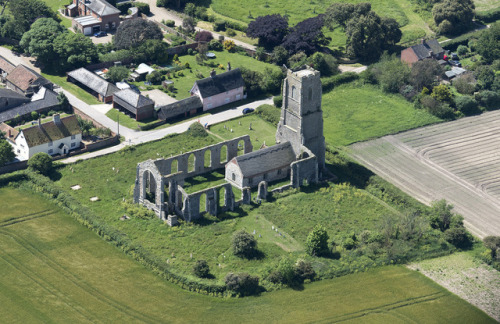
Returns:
(55,270)
(261,132)
(56,5)
(357,113)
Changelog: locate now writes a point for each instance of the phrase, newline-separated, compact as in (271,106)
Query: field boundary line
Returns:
(16,220)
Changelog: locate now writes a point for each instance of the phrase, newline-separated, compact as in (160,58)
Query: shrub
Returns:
(339,79)
(34,115)
(170,23)
(242,283)
(459,237)
(489,99)
(244,244)
(349,243)
(278,101)
(442,93)
(462,50)
(197,130)
(142,7)
(275,277)
(215,45)
(203,36)
(269,113)
(230,32)
(229,45)
(154,77)
(465,84)
(163,3)
(467,105)
(123,7)
(219,25)
(317,241)
(304,271)
(201,269)
(41,163)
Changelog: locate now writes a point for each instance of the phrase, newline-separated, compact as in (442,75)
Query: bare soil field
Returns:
(467,277)
(458,161)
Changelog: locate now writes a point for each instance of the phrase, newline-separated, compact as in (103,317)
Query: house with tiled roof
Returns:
(58,136)
(427,49)
(180,109)
(134,103)
(93,16)
(42,101)
(10,133)
(219,89)
(5,68)
(267,164)
(93,83)
(25,81)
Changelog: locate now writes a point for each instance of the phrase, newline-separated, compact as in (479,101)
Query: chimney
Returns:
(57,119)
(39,122)
(212,73)
(423,41)
(9,134)
(229,66)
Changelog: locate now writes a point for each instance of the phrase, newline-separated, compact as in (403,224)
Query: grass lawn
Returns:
(126,120)
(241,36)
(483,5)
(184,83)
(414,26)
(261,132)
(56,5)
(73,88)
(352,114)
(55,270)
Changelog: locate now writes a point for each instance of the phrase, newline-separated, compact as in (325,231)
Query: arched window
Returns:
(233,177)
(293,92)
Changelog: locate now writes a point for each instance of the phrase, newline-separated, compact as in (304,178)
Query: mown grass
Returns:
(56,5)
(73,88)
(55,270)
(261,132)
(354,113)
(126,120)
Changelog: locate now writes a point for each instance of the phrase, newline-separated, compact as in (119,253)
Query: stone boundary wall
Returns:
(191,202)
(16,166)
(87,117)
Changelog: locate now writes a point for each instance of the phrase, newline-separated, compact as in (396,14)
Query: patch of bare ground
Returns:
(466,277)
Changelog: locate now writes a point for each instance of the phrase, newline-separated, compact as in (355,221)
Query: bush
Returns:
(488,16)
(467,105)
(244,244)
(243,283)
(229,45)
(34,115)
(219,25)
(317,241)
(215,45)
(123,7)
(203,36)
(142,7)
(269,113)
(197,130)
(41,163)
(201,269)
(339,79)
(459,237)
(230,32)
(304,271)
(489,99)
(163,3)
(275,277)
(278,101)
(465,84)
(170,23)
(462,50)
(154,77)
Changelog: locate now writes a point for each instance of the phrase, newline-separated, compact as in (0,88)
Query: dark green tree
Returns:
(391,73)
(201,269)
(39,40)
(242,283)
(25,12)
(458,13)
(133,32)
(317,241)
(75,50)
(467,105)
(117,73)
(244,244)
(488,44)
(6,151)
(425,73)
(41,162)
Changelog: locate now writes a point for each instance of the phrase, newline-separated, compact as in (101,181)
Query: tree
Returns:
(442,93)
(75,50)
(85,125)
(253,81)
(467,105)
(188,25)
(391,73)
(270,30)
(133,32)
(154,77)
(391,30)
(304,270)
(341,13)
(280,55)
(41,162)
(243,283)
(488,44)
(151,50)
(465,84)
(425,74)
(229,45)
(63,102)
(306,36)
(244,244)
(324,63)
(6,151)
(493,243)
(203,36)
(489,99)
(39,40)
(458,13)
(117,73)
(317,241)
(201,269)
(441,215)
(25,12)
(485,76)
(459,237)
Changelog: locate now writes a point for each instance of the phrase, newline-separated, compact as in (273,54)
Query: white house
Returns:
(59,136)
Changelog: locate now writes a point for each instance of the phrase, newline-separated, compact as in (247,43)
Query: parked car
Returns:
(101,34)
(247,110)
(454,56)
(455,63)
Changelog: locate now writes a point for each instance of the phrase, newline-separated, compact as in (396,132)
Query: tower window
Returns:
(293,92)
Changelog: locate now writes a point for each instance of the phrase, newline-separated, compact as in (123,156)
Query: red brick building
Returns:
(427,49)
(93,16)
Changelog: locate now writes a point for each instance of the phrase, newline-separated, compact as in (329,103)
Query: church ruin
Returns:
(298,155)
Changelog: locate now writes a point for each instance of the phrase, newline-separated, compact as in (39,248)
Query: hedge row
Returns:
(488,16)
(269,113)
(40,184)
(339,79)
(462,40)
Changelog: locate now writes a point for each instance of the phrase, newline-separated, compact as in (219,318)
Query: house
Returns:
(25,81)
(10,99)
(94,16)
(179,109)
(10,133)
(42,101)
(94,84)
(219,89)
(138,105)
(59,136)
(140,73)
(267,164)
(427,49)
(5,68)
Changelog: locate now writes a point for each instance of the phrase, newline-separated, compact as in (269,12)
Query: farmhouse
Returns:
(42,101)
(136,104)
(219,89)
(56,137)
(427,49)
(95,15)
(94,84)
(5,68)
(25,81)
(299,156)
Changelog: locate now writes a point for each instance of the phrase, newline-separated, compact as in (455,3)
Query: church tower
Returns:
(301,121)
